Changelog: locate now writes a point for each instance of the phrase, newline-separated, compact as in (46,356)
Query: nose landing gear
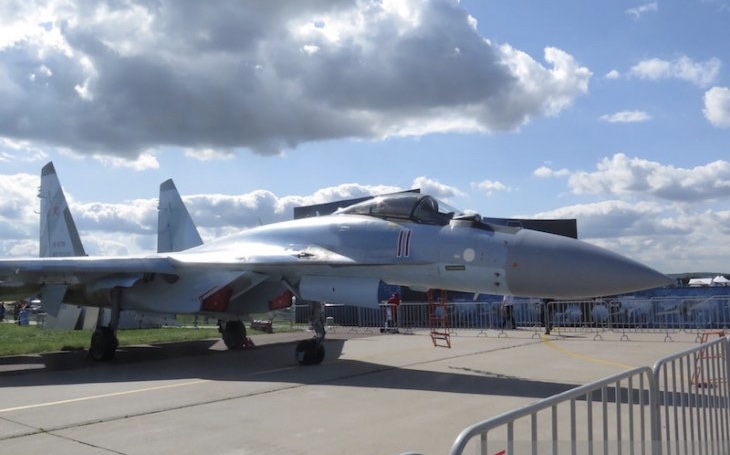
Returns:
(311,352)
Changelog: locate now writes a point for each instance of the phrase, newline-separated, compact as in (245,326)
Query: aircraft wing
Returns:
(124,271)
(75,270)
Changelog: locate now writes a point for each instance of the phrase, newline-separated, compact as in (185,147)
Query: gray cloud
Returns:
(124,78)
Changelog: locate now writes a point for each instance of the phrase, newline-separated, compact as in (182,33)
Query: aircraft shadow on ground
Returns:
(270,363)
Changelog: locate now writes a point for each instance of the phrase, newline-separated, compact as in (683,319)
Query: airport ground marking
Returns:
(127,392)
(549,343)
(104,395)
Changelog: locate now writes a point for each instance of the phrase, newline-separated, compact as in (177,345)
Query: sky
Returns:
(614,113)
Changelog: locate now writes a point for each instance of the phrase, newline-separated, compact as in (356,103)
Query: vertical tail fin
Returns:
(176,230)
(59,236)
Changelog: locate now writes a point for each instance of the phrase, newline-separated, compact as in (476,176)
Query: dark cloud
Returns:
(123,77)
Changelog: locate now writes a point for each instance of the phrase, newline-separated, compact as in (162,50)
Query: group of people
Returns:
(507,308)
(18,312)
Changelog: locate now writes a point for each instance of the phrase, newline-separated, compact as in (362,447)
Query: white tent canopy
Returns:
(719,280)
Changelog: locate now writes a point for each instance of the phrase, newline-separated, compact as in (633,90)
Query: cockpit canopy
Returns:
(414,207)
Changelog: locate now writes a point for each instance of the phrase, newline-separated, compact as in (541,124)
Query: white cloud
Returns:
(130,227)
(611,218)
(626,117)
(209,154)
(546,172)
(624,176)
(665,237)
(491,186)
(541,90)
(436,189)
(20,199)
(127,78)
(673,236)
(613,74)
(717,106)
(702,74)
(638,11)
(138,163)
(21,151)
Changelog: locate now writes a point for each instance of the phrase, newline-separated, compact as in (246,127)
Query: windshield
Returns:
(406,206)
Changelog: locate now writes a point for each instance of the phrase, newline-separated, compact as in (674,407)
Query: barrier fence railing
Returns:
(680,406)
(623,316)
(694,399)
(607,416)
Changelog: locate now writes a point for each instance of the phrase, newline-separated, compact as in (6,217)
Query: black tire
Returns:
(234,335)
(104,344)
(310,352)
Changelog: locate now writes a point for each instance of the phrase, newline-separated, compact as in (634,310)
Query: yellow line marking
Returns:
(552,345)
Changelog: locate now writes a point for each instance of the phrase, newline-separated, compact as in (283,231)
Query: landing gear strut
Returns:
(104,341)
(311,352)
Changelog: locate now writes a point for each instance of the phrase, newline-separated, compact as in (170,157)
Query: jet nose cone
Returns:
(547,265)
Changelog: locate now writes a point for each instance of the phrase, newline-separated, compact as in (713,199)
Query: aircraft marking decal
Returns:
(404,243)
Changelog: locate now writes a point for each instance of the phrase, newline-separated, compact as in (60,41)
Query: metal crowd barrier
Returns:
(680,406)
(619,316)
(607,416)
(693,400)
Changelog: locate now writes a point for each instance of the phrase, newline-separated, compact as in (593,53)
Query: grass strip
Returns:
(31,339)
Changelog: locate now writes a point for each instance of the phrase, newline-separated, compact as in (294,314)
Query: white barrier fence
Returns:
(693,399)
(607,416)
(680,406)
(624,316)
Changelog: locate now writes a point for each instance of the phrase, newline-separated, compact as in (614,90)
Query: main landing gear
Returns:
(104,344)
(104,341)
(311,352)
(233,333)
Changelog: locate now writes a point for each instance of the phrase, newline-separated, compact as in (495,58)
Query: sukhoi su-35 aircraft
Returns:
(406,239)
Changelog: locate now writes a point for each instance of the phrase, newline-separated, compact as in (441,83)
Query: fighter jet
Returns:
(406,239)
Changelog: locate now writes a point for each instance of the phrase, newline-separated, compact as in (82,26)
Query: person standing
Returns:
(16,311)
(547,313)
(393,305)
(508,311)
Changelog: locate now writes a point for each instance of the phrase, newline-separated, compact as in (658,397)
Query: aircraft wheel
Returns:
(104,344)
(234,335)
(310,352)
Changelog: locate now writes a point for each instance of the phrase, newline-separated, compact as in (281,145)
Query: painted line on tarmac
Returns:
(547,342)
(127,392)
(105,395)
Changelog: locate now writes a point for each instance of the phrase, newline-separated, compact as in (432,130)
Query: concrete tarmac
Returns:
(374,393)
